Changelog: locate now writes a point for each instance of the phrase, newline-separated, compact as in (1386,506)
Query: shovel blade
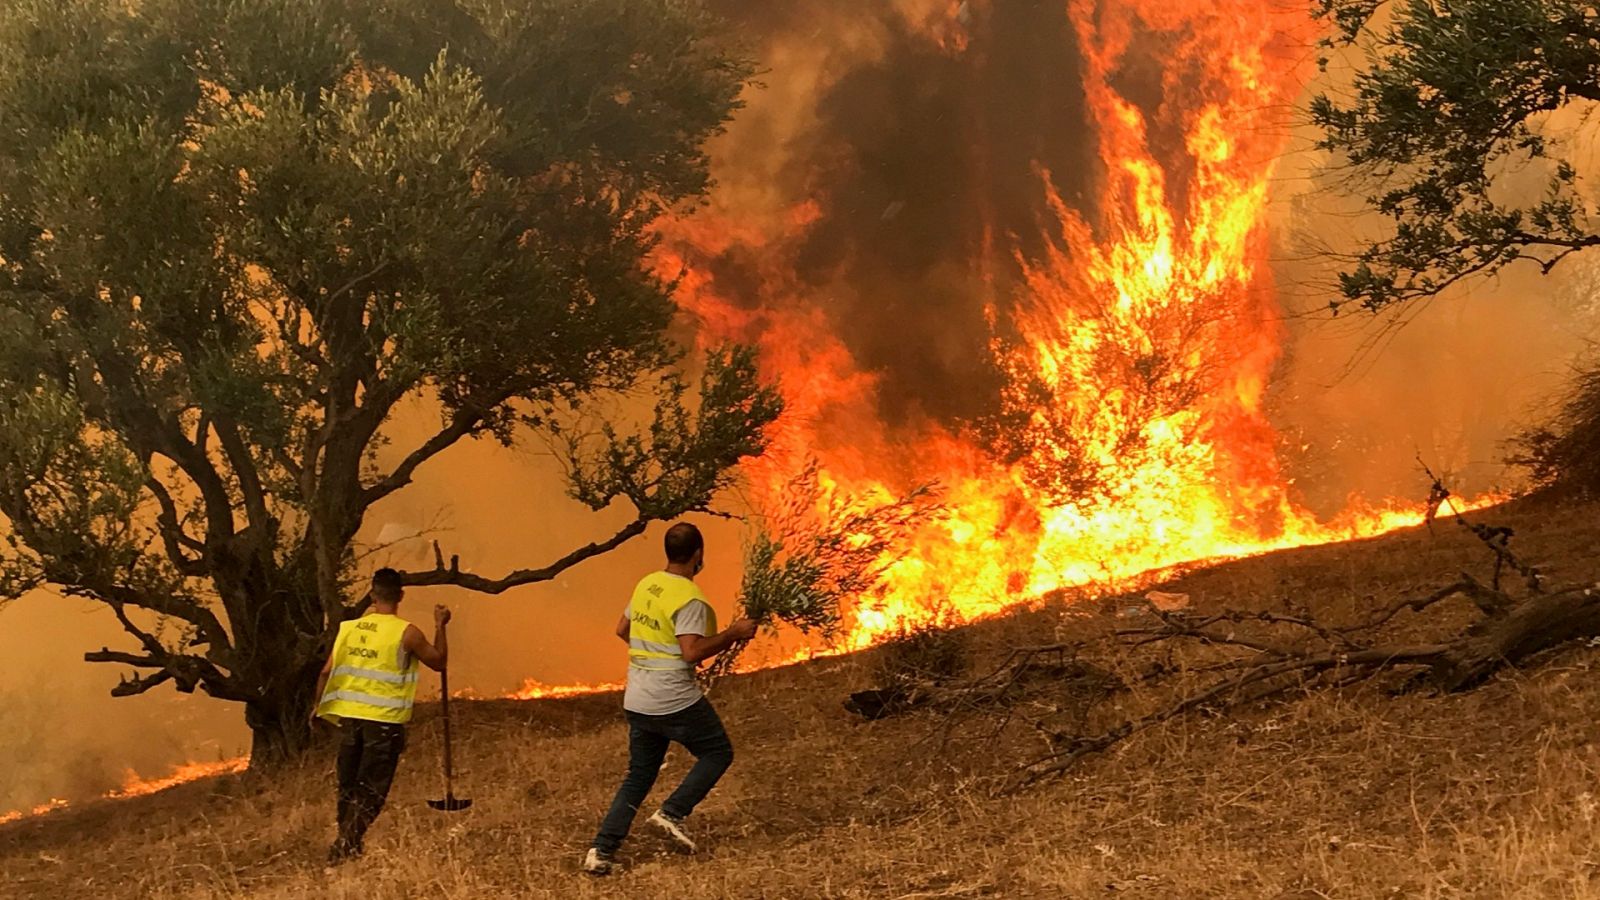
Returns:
(450,803)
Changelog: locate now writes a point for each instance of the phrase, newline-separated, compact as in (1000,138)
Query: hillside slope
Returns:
(1354,793)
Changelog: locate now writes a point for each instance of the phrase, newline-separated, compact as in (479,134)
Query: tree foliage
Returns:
(1451,97)
(236,234)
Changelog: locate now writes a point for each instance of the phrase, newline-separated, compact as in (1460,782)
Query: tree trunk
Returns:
(281,644)
(280,721)
(1539,623)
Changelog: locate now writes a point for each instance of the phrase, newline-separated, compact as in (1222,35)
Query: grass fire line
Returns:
(1345,791)
(802,568)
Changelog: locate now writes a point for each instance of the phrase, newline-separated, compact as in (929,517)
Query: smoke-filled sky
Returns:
(918,160)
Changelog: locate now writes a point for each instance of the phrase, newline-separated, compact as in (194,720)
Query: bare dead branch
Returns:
(186,671)
(1491,602)
(1059,761)
(107,655)
(129,686)
(209,630)
(1496,538)
(451,574)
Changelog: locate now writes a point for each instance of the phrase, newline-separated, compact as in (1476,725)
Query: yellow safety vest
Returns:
(652,637)
(373,677)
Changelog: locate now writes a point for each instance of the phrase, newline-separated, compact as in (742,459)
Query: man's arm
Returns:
(623,628)
(437,654)
(698,648)
(322,686)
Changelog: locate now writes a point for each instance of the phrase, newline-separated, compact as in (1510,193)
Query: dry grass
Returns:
(1351,794)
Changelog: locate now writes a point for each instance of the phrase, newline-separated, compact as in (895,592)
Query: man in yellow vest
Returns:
(368,687)
(670,628)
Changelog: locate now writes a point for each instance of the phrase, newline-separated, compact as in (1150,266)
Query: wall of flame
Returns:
(1132,330)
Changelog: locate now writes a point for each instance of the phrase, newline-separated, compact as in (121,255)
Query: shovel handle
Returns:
(444,689)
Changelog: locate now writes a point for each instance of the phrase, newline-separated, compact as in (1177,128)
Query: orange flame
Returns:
(41,809)
(1136,352)
(134,785)
(533,689)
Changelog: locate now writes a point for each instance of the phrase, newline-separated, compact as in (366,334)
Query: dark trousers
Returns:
(700,731)
(368,755)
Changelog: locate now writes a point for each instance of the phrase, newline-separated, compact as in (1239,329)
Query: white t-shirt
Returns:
(662,692)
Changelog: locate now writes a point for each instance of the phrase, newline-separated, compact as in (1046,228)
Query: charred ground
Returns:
(1362,791)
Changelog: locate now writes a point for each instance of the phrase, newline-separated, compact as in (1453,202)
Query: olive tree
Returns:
(236,236)
(1449,96)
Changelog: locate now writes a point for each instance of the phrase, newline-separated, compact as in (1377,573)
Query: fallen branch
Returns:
(1506,637)
(1374,659)
(1022,667)
(1264,654)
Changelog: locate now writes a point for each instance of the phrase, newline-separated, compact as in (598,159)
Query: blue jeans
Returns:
(700,732)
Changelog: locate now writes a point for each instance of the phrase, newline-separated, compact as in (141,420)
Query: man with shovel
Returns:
(669,628)
(368,688)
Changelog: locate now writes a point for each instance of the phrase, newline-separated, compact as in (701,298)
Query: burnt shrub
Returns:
(1563,454)
(933,651)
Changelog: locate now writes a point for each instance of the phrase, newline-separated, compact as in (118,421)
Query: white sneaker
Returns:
(674,829)
(597,863)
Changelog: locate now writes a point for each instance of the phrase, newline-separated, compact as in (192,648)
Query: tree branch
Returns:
(1467,586)
(452,574)
(462,424)
(244,469)
(138,684)
(148,432)
(62,569)
(355,282)
(206,623)
(173,537)
(187,670)
(107,655)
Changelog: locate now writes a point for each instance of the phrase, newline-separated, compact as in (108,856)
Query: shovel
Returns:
(450,803)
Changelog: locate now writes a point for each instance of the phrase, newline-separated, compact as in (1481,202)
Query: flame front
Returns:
(533,689)
(1136,348)
(135,785)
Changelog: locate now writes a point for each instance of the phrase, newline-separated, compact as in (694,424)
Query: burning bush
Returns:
(819,551)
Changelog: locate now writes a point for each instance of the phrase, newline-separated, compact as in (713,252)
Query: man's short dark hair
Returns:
(386,584)
(683,541)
